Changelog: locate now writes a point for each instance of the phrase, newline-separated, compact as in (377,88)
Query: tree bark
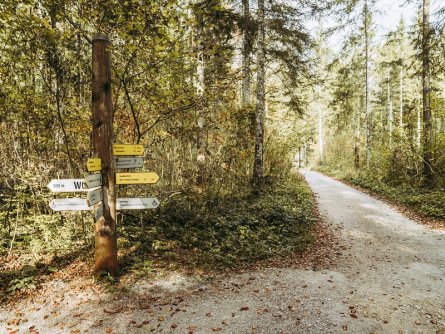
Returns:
(106,241)
(200,86)
(390,110)
(247,46)
(261,98)
(367,106)
(401,99)
(427,124)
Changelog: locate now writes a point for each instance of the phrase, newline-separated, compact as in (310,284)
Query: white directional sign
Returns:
(93,181)
(66,185)
(94,196)
(135,162)
(137,203)
(69,204)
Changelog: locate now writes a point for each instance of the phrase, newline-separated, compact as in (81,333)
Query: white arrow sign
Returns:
(137,203)
(66,185)
(135,162)
(93,181)
(69,204)
(94,196)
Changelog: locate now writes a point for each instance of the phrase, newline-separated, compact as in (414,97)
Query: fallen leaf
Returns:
(344,327)
(173,326)
(244,308)
(108,330)
(216,329)
(353,315)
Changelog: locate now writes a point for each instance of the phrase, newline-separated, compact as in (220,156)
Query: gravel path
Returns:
(389,277)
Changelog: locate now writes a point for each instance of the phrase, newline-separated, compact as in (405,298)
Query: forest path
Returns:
(389,277)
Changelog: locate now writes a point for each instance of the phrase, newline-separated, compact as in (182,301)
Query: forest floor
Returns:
(372,270)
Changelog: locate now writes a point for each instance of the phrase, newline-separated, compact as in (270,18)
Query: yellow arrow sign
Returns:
(94,165)
(137,178)
(127,149)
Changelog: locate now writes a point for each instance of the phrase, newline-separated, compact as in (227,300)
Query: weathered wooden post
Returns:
(106,239)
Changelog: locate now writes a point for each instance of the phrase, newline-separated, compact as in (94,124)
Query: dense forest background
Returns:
(225,96)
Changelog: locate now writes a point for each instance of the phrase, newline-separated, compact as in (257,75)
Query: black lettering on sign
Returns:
(78,185)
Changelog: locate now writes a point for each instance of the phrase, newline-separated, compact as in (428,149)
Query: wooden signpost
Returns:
(101,187)
(137,203)
(102,139)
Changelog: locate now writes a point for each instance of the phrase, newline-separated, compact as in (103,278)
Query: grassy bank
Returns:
(226,231)
(429,203)
(187,232)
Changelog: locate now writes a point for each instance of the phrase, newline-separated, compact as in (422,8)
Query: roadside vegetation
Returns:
(192,233)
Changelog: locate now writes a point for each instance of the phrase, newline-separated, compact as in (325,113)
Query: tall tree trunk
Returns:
(260,103)
(427,125)
(357,142)
(401,99)
(390,110)
(367,106)
(200,86)
(419,127)
(320,132)
(247,46)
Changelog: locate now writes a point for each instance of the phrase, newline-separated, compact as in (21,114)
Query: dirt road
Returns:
(389,277)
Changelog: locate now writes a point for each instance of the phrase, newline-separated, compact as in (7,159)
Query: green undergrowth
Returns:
(218,232)
(189,231)
(427,202)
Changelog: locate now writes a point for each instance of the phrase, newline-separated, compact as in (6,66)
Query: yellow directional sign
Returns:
(127,149)
(94,165)
(137,178)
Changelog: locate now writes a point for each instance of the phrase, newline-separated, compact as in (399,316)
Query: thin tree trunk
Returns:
(200,86)
(357,143)
(401,99)
(260,103)
(367,107)
(419,133)
(320,132)
(390,110)
(245,90)
(427,125)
